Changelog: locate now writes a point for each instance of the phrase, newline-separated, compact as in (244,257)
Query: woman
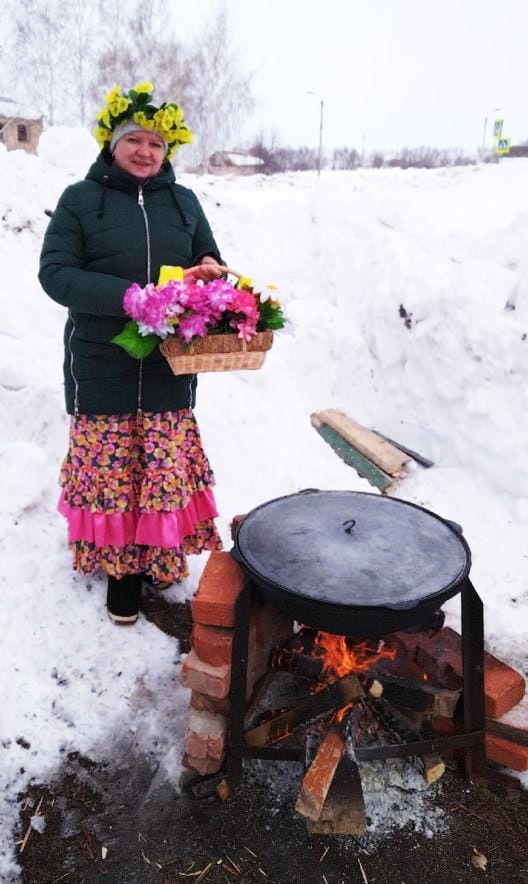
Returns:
(136,482)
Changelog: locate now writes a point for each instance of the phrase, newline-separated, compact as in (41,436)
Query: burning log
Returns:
(335,696)
(343,812)
(298,663)
(318,778)
(419,695)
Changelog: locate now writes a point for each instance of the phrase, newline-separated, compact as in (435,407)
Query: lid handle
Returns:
(348,524)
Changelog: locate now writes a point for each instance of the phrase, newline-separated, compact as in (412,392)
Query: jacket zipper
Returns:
(141,203)
(74,379)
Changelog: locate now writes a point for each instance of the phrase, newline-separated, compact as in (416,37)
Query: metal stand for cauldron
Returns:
(470,740)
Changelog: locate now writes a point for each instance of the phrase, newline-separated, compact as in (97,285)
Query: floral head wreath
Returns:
(136,106)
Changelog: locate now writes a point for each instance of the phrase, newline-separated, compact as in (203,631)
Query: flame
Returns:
(340,714)
(342,658)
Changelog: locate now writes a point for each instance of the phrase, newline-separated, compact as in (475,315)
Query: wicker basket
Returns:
(216,353)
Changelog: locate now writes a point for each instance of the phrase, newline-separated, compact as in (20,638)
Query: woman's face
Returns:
(140,153)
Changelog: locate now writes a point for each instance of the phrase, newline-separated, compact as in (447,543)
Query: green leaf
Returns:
(136,345)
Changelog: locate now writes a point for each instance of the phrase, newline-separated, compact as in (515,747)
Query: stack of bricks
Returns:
(207,668)
(440,656)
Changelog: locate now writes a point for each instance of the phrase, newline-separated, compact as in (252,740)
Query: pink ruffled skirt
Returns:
(137,494)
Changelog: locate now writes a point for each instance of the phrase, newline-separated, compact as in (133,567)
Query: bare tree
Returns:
(219,95)
(37,52)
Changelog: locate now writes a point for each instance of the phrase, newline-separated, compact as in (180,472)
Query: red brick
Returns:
(441,655)
(406,644)
(202,765)
(206,735)
(205,703)
(219,588)
(200,676)
(236,522)
(507,752)
(504,687)
(213,644)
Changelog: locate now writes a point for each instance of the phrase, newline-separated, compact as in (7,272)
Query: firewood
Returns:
(319,776)
(343,812)
(375,689)
(336,695)
(403,729)
(434,768)
(302,665)
(388,458)
(419,695)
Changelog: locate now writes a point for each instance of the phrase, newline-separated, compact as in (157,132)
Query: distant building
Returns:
(517,150)
(19,127)
(235,162)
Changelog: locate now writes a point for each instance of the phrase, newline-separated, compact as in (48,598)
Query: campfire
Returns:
(351,700)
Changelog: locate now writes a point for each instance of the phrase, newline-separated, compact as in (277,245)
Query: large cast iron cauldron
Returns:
(352,563)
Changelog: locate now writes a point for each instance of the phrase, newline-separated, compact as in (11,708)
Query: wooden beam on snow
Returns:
(381,452)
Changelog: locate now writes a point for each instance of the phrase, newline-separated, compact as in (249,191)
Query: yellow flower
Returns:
(164,119)
(245,282)
(274,303)
(272,287)
(143,87)
(113,94)
(101,136)
(104,118)
(118,105)
(139,118)
(184,135)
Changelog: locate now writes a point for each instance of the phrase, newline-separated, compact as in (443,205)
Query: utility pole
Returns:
(321,118)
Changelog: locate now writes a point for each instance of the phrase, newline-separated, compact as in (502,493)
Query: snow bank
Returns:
(349,252)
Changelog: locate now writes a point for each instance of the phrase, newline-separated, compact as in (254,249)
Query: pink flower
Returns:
(246,330)
(244,302)
(192,326)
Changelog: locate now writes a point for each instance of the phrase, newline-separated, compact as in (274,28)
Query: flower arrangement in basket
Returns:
(212,326)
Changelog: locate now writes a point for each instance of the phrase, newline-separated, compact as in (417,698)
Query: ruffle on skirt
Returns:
(137,494)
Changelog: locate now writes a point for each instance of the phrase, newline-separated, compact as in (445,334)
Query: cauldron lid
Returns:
(352,548)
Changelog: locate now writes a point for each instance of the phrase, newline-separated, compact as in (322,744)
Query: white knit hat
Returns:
(125,128)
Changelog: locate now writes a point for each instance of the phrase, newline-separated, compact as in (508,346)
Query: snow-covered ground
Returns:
(346,249)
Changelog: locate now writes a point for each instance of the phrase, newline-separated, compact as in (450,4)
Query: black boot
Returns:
(122,599)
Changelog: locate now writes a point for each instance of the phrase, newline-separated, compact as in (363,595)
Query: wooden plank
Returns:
(343,812)
(353,458)
(338,694)
(318,778)
(384,455)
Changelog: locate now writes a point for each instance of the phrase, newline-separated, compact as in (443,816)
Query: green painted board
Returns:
(362,465)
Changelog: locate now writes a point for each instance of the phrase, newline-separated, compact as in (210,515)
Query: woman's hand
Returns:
(206,271)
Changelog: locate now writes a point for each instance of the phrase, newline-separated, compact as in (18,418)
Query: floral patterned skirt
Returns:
(137,494)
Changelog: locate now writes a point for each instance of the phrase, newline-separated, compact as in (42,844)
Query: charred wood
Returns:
(419,695)
(335,696)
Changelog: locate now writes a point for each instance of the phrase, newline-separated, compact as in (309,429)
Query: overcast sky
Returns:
(394,72)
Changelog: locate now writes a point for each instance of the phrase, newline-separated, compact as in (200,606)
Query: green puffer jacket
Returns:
(107,232)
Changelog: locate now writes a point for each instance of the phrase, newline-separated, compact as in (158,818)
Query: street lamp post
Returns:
(321,116)
(494,110)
